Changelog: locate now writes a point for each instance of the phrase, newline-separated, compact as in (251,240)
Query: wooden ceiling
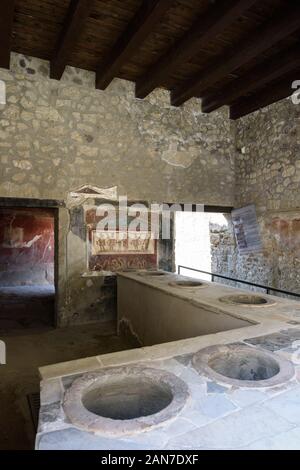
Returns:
(241,53)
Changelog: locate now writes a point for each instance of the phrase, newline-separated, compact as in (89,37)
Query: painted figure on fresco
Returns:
(106,242)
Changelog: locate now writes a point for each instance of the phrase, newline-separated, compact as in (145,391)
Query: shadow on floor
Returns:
(26,306)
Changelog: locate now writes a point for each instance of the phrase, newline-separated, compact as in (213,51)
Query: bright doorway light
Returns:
(193,241)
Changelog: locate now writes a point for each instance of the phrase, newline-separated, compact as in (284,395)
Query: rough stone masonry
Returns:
(267,173)
(57,136)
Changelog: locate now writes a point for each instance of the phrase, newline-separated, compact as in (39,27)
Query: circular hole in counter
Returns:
(127,398)
(241,365)
(246,364)
(187,283)
(248,300)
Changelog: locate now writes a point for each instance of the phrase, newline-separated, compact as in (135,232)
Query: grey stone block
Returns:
(287,405)
(276,341)
(213,387)
(215,406)
(244,398)
(234,431)
(73,439)
(289,440)
(51,391)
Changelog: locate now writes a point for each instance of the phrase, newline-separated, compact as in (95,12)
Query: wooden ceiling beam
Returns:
(142,24)
(275,67)
(77,14)
(268,95)
(6,27)
(259,41)
(213,22)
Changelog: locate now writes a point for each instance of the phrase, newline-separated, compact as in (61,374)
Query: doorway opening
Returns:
(194,238)
(27,267)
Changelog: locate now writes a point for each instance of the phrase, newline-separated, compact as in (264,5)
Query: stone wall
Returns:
(267,175)
(57,136)
(223,248)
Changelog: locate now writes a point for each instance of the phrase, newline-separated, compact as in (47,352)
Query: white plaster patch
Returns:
(22,164)
(78,196)
(179,158)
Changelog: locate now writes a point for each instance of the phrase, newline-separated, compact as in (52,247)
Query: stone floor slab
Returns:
(287,405)
(73,439)
(215,406)
(235,430)
(289,440)
(51,391)
(244,398)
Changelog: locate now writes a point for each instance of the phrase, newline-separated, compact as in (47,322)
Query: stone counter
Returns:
(158,310)
(217,415)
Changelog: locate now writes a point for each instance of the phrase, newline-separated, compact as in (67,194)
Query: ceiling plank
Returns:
(259,41)
(214,21)
(6,26)
(275,67)
(77,14)
(142,24)
(264,97)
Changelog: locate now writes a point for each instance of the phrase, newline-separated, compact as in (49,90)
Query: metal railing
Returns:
(268,289)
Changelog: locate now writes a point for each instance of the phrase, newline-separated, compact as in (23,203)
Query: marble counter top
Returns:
(218,416)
